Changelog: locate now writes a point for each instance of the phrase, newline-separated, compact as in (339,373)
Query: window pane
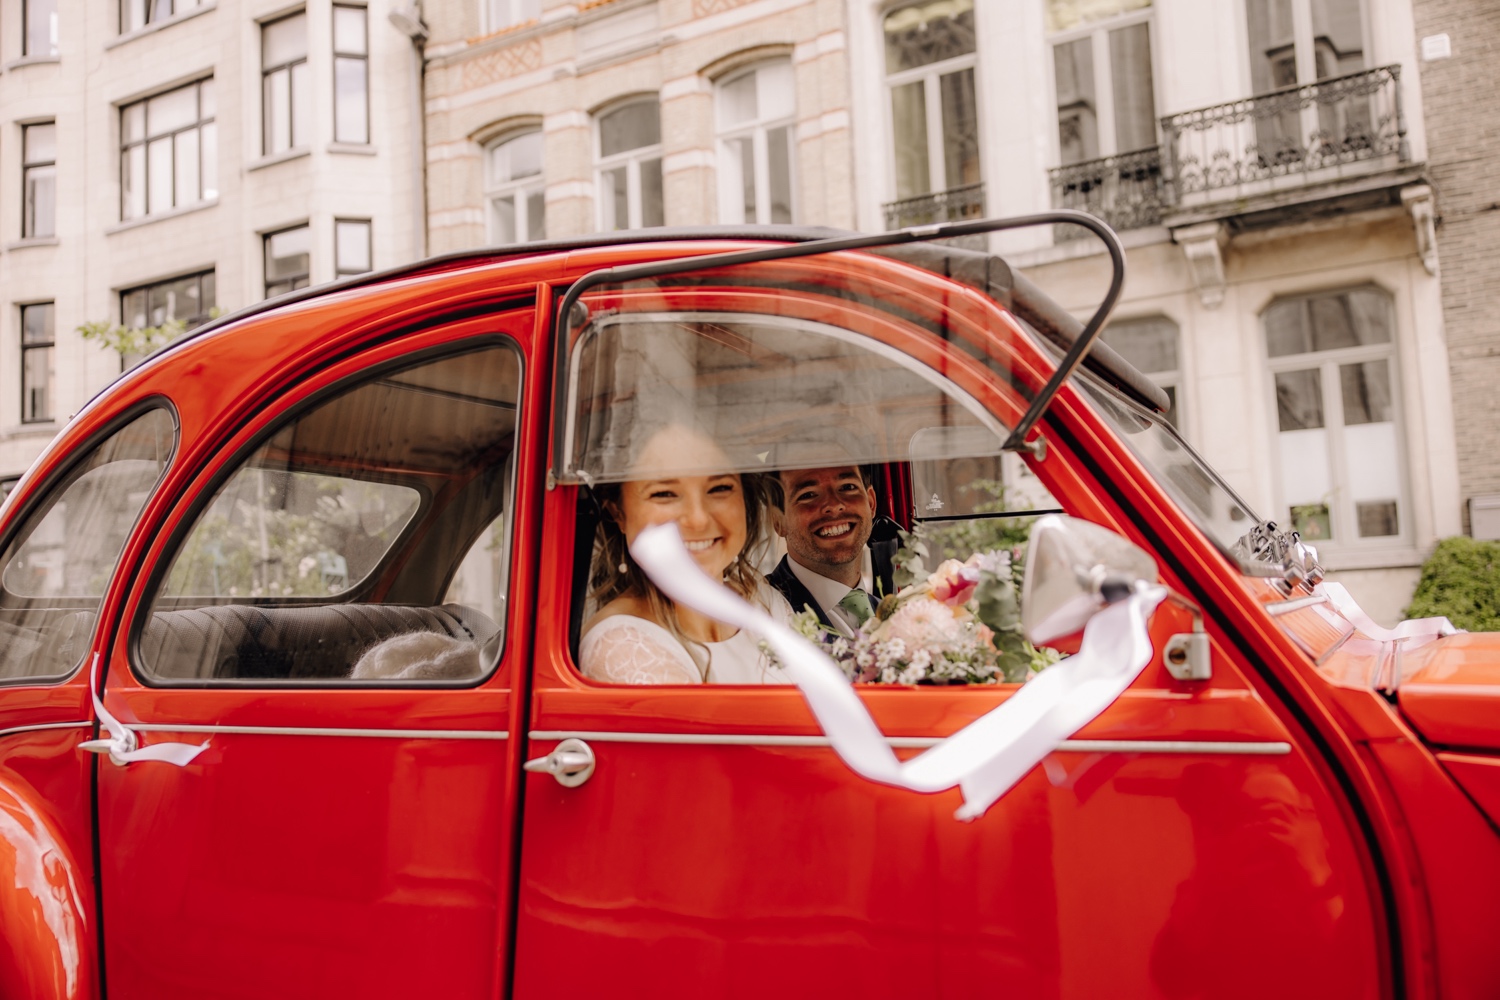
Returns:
(329,502)
(1065,14)
(352,246)
(779,160)
(350,110)
(301,105)
(159,173)
(133,309)
(132,15)
(1273,60)
(40,209)
(1149,343)
(630,127)
(173,110)
(275,105)
(503,219)
(909,124)
(615,199)
(1077,112)
(349,31)
(741,169)
(517,158)
(1313,521)
(1367,392)
(210,164)
(777,90)
(41,28)
(1354,318)
(40,143)
(288,253)
(36,384)
(36,324)
(283,41)
(187,167)
(133,182)
(206,105)
(1338,37)
(1299,400)
(653,208)
(133,122)
(737,101)
(1377,519)
(960,129)
(1135,98)
(536,214)
(69,548)
(929,32)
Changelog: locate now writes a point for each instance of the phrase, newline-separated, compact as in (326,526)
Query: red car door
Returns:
(1188,843)
(334,604)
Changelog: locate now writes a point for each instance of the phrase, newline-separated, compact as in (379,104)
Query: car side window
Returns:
(362,541)
(55,571)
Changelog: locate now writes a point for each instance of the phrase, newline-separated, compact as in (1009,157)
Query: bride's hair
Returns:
(608,581)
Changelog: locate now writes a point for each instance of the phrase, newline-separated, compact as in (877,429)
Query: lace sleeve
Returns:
(626,650)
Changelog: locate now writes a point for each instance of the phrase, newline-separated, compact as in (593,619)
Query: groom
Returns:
(825,515)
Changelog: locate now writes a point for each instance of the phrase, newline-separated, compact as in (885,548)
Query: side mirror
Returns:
(1073,569)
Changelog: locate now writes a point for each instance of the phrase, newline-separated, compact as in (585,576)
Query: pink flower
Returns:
(923,623)
(953,583)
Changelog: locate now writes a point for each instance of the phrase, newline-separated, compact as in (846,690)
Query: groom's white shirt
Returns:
(827,593)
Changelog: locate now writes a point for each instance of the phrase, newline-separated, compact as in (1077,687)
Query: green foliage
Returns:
(1461,579)
(126,341)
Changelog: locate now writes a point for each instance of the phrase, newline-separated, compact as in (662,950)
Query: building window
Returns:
(169,154)
(351,75)
(929,65)
(288,260)
(39,28)
(514,189)
(37,363)
(1101,64)
(1150,344)
(136,14)
(352,250)
(500,14)
(286,116)
(630,186)
(39,180)
(1333,367)
(755,111)
(1301,41)
(189,299)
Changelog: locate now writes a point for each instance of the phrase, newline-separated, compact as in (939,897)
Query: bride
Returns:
(639,636)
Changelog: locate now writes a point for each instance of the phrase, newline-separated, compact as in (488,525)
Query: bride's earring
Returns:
(624,568)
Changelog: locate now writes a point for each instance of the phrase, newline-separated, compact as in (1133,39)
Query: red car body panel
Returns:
(1360,860)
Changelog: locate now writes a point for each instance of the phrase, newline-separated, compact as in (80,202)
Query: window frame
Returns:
(757,131)
(289,67)
(930,76)
(205,192)
(363,59)
(631,160)
(28,168)
(27,13)
(228,462)
(1344,535)
(175,8)
(27,348)
(339,271)
(305,277)
(1304,55)
(197,319)
(518,188)
(1098,33)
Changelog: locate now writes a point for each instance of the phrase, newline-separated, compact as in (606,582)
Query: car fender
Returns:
(46,941)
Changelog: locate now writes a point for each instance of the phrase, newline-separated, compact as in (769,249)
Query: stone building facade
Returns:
(170,159)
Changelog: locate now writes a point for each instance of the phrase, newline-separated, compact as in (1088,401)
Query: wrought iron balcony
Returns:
(1124,190)
(1326,131)
(954,205)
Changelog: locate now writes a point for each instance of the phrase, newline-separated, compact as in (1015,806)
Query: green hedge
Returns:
(1461,579)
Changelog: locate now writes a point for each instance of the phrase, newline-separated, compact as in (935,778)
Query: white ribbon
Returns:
(1412,628)
(985,758)
(122,745)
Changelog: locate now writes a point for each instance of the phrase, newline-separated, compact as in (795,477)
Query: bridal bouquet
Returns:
(960,625)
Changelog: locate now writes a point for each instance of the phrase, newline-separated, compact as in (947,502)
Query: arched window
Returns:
(1150,344)
(929,66)
(629,166)
(1333,368)
(500,14)
(755,110)
(514,189)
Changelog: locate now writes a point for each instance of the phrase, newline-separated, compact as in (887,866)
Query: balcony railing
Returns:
(954,205)
(1125,190)
(1289,137)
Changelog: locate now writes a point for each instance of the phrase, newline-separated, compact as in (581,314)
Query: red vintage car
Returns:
(204,794)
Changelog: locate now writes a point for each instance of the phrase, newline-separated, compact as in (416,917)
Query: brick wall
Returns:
(1463,138)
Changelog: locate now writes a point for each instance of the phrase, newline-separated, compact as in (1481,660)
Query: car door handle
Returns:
(571,763)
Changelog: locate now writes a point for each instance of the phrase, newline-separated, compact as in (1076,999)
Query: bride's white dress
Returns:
(624,649)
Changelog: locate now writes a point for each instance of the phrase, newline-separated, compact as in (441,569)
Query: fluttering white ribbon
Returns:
(1412,628)
(985,758)
(122,745)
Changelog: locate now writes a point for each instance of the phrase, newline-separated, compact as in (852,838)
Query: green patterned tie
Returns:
(857,603)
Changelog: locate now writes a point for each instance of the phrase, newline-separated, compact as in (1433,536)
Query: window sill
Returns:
(146,220)
(34,241)
(39,428)
(32,61)
(152,29)
(354,148)
(275,158)
(1395,557)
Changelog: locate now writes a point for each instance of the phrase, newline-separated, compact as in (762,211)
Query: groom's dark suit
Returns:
(798,596)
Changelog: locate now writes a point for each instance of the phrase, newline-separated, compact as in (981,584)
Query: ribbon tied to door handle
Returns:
(123,746)
(983,760)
